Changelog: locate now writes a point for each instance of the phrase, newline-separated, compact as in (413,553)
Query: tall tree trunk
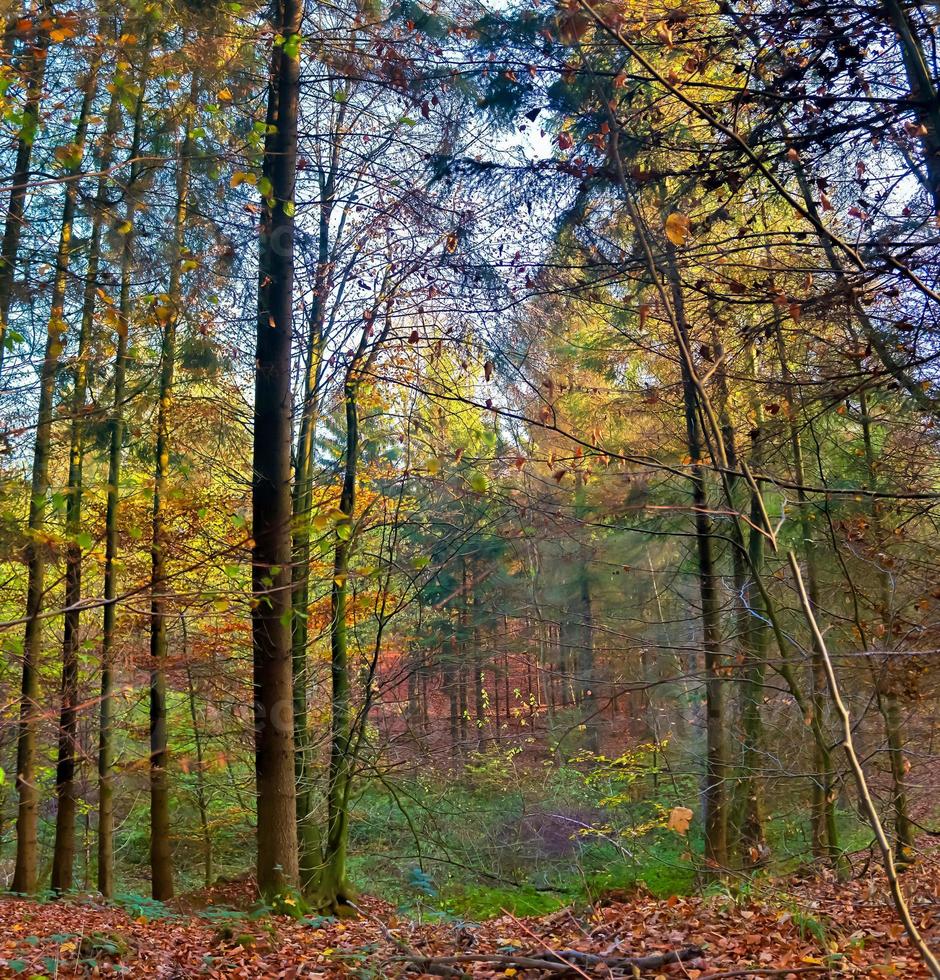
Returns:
(744,809)
(715,794)
(586,680)
(27,819)
(333,888)
(751,830)
(717,772)
(463,633)
(308,832)
(63,857)
(449,684)
(887,694)
(823,827)
(479,701)
(161,855)
(112,514)
(271,490)
(202,802)
(19,179)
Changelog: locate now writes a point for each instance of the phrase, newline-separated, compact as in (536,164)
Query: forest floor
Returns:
(786,928)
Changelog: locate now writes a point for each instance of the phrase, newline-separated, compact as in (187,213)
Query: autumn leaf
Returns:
(680,818)
(678,228)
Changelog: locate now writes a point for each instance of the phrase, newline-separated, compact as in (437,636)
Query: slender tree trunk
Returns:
(824,830)
(479,707)
(463,626)
(744,811)
(715,791)
(449,684)
(333,888)
(496,718)
(63,858)
(462,694)
(751,831)
(202,803)
(271,492)
(112,513)
(586,680)
(27,820)
(161,855)
(885,680)
(308,832)
(19,179)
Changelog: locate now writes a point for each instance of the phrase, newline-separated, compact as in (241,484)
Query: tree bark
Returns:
(715,792)
(333,888)
(27,820)
(308,832)
(751,828)
(63,857)
(161,855)
(823,827)
(202,803)
(112,514)
(886,692)
(277,859)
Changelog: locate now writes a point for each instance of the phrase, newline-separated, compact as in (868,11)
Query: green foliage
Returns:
(137,906)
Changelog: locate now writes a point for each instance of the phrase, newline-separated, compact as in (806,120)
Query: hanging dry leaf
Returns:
(678,228)
(680,817)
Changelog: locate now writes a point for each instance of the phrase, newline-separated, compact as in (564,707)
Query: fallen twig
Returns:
(553,961)
(760,971)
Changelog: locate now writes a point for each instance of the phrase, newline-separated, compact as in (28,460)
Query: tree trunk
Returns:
(117,424)
(460,669)
(885,680)
(715,793)
(309,838)
(332,888)
(751,829)
(19,179)
(585,681)
(823,827)
(201,797)
(63,857)
(271,492)
(27,819)
(479,706)
(161,855)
